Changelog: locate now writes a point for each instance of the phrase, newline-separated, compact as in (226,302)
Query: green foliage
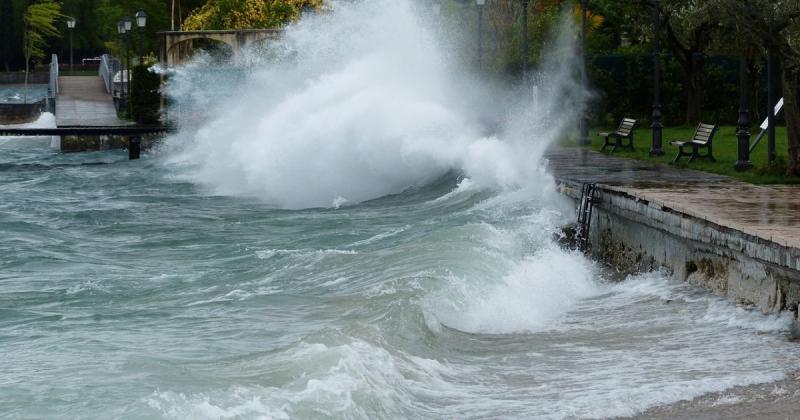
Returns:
(145,96)
(39,24)
(623,86)
(247,14)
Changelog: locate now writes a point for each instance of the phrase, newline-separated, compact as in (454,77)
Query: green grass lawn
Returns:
(725,152)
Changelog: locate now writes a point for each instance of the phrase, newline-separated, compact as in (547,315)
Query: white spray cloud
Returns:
(358,103)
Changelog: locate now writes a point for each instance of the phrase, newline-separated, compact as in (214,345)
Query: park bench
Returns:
(625,131)
(703,136)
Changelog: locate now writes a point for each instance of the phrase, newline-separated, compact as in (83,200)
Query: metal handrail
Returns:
(52,86)
(107,70)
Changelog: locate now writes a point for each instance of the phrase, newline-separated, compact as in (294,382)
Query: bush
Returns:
(145,96)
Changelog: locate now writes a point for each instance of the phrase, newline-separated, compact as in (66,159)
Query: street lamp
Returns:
(141,22)
(525,37)
(584,123)
(655,149)
(480,3)
(743,144)
(121,32)
(71,25)
(127,22)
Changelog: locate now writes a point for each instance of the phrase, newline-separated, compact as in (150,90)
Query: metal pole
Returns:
(140,30)
(71,68)
(134,147)
(128,76)
(122,63)
(656,125)
(525,37)
(743,163)
(771,105)
(584,120)
(480,36)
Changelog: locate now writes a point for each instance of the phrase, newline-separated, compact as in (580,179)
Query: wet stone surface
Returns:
(770,212)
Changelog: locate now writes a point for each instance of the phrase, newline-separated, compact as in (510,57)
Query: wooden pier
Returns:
(85,108)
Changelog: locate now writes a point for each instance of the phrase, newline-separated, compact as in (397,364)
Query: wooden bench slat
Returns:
(703,136)
(624,131)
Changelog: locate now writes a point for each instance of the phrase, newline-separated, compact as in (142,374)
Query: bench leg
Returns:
(617,144)
(694,153)
(678,156)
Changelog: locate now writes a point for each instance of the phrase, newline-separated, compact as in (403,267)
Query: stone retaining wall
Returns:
(634,235)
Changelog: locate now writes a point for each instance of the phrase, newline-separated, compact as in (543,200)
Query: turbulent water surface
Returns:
(346,236)
(15,94)
(129,293)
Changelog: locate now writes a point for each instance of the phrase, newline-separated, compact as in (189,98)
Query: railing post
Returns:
(134,147)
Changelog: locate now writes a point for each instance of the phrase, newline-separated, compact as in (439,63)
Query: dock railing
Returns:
(109,66)
(52,85)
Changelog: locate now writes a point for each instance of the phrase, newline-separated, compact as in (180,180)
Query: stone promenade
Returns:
(771,213)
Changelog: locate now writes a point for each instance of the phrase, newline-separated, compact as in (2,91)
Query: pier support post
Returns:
(134,147)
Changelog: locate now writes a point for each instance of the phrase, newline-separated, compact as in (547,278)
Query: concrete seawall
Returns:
(734,239)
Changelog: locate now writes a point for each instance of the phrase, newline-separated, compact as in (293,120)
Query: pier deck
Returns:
(83,101)
(769,212)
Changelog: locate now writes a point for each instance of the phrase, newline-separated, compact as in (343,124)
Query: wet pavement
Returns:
(83,101)
(769,212)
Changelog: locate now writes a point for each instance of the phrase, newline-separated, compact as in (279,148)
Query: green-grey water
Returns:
(126,292)
(347,226)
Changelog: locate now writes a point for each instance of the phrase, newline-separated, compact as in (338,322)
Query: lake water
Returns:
(15,94)
(126,292)
(353,229)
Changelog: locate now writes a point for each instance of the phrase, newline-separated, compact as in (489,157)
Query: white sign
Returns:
(778,107)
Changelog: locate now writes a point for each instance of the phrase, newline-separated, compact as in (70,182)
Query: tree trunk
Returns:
(791,109)
(25,89)
(692,101)
(692,78)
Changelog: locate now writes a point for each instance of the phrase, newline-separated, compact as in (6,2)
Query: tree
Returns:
(773,24)
(689,29)
(247,14)
(39,24)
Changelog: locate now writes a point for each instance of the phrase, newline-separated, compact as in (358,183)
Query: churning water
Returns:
(354,236)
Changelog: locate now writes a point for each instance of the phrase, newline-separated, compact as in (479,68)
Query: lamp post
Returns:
(71,25)
(655,149)
(584,121)
(141,22)
(121,32)
(525,37)
(127,22)
(480,4)
(743,163)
